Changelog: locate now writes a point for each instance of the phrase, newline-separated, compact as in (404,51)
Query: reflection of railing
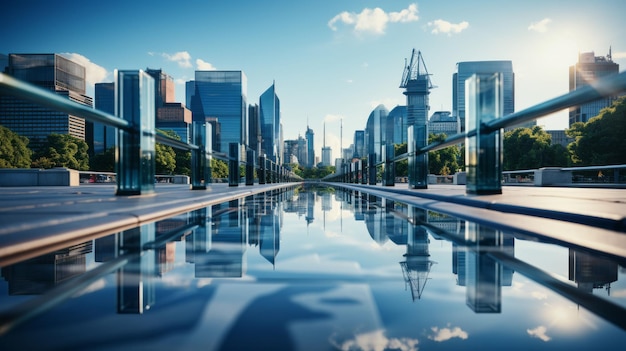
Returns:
(134,120)
(567,176)
(484,141)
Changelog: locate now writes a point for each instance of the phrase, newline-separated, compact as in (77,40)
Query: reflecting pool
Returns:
(314,269)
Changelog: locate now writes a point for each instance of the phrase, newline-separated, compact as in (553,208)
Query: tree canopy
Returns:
(445,161)
(529,148)
(600,141)
(63,150)
(14,151)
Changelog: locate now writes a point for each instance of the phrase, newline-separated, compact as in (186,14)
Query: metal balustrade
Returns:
(134,120)
(484,140)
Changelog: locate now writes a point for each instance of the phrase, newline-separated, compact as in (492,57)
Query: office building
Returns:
(327,154)
(101,137)
(310,147)
(589,69)
(359,144)
(443,122)
(465,70)
(269,116)
(254,129)
(397,124)
(52,72)
(170,115)
(221,95)
(375,131)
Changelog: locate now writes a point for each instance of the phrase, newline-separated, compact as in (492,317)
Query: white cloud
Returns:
(332,118)
(374,20)
(619,55)
(94,73)
(445,334)
(204,66)
(441,26)
(377,341)
(539,332)
(541,26)
(182,58)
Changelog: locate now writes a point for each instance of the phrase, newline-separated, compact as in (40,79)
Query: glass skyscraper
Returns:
(397,125)
(101,137)
(359,144)
(588,69)
(49,71)
(269,115)
(310,147)
(375,131)
(465,70)
(221,95)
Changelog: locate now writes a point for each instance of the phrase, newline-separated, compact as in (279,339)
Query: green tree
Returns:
(601,140)
(444,161)
(528,148)
(219,168)
(165,159)
(14,151)
(63,150)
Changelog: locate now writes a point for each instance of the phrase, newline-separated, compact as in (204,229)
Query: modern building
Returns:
(302,153)
(254,129)
(52,72)
(375,131)
(397,124)
(359,144)
(310,147)
(589,69)
(559,137)
(269,116)
(465,70)
(101,137)
(443,122)
(171,115)
(221,95)
(327,154)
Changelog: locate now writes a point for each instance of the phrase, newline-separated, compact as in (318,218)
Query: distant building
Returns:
(465,70)
(327,154)
(397,124)
(269,116)
(375,131)
(589,69)
(52,72)
(302,151)
(170,115)
(359,144)
(310,147)
(443,122)
(559,137)
(254,129)
(101,137)
(222,95)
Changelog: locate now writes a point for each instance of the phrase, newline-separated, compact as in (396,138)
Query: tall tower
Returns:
(417,85)
(310,146)
(588,69)
(326,151)
(269,116)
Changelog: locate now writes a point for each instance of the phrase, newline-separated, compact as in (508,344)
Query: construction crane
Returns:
(416,84)
(415,72)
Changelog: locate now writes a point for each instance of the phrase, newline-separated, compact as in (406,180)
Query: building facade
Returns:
(465,70)
(52,72)
(443,122)
(359,144)
(221,95)
(327,154)
(397,124)
(101,137)
(589,69)
(375,131)
(269,116)
(310,147)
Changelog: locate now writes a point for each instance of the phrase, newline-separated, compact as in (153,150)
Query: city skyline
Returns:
(333,62)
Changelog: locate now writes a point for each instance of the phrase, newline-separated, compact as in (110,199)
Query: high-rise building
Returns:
(49,71)
(310,147)
(269,115)
(359,144)
(465,70)
(254,129)
(101,137)
(170,115)
(327,155)
(375,131)
(443,122)
(302,152)
(397,124)
(221,95)
(589,69)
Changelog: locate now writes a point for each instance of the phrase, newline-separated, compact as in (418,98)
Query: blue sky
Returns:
(331,60)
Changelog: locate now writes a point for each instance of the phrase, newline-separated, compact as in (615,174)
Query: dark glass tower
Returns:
(269,115)
(99,136)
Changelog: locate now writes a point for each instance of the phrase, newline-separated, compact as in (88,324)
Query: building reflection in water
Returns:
(591,272)
(417,263)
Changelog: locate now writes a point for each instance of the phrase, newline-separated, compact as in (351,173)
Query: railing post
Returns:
(234,155)
(250,158)
(389,173)
(418,162)
(135,154)
(483,153)
(201,158)
(371,174)
(262,170)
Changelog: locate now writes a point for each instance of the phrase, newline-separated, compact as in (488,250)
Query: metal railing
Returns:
(484,174)
(134,120)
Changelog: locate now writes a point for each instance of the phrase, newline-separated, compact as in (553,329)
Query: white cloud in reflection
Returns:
(618,293)
(445,334)
(539,295)
(539,332)
(377,341)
